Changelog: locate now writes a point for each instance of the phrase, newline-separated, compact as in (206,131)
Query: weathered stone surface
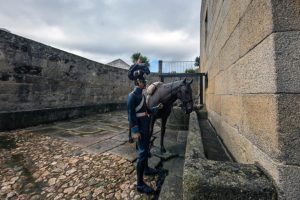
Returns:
(286,15)
(289,128)
(172,188)
(217,104)
(285,176)
(260,122)
(206,179)
(194,147)
(220,84)
(250,51)
(240,148)
(127,151)
(215,119)
(231,109)
(287,48)
(104,146)
(230,52)
(256,71)
(48,84)
(289,178)
(255,25)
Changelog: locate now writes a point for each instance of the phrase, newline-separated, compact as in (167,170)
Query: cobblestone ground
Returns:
(38,166)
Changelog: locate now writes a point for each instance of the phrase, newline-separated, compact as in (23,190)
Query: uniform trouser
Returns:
(143,148)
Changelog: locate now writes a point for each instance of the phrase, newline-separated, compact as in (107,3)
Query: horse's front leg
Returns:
(152,121)
(163,130)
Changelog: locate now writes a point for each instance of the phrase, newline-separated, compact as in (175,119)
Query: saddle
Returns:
(152,88)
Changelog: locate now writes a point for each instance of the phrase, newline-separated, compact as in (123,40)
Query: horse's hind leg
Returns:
(163,130)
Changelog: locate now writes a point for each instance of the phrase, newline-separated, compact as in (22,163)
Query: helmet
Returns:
(138,71)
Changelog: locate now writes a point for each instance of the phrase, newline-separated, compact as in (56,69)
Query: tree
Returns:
(138,55)
(190,71)
(197,62)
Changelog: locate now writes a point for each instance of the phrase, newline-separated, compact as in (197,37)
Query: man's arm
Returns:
(132,114)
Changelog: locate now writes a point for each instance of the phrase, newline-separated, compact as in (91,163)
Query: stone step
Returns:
(219,179)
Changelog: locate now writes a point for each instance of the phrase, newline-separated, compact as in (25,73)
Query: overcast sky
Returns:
(105,30)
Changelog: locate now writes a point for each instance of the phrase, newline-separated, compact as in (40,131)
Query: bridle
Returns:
(184,103)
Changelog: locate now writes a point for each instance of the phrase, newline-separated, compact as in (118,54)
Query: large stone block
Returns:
(217,24)
(239,147)
(211,86)
(209,101)
(220,83)
(255,25)
(224,25)
(231,109)
(286,15)
(243,7)
(289,127)
(233,79)
(217,104)
(214,66)
(286,177)
(230,52)
(289,179)
(260,122)
(257,69)
(215,120)
(287,51)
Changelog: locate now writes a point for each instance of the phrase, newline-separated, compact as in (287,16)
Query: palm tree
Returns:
(138,55)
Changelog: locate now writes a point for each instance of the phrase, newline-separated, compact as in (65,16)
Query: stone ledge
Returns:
(22,119)
(207,179)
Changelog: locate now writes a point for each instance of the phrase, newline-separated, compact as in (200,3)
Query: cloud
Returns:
(109,29)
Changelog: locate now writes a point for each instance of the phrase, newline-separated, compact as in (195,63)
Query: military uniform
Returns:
(139,122)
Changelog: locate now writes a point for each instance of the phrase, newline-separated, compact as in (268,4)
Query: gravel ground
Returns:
(35,166)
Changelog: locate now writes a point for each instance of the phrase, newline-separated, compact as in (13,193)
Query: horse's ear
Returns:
(184,80)
(191,82)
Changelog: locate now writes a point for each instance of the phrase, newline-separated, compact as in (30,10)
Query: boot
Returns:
(142,187)
(145,189)
(149,171)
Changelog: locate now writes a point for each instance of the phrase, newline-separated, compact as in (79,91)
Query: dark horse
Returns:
(167,94)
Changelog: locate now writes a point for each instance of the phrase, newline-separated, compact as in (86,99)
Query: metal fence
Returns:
(176,70)
(172,67)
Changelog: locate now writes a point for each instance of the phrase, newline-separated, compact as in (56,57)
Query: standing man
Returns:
(139,122)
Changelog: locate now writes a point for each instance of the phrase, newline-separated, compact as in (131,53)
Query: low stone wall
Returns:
(208,179)
(39,84)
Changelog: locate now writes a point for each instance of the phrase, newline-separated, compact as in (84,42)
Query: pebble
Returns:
(35,197)
(69,190)
(52,181)
(60,174)
(71,171)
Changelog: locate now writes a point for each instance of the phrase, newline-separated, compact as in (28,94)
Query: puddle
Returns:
(7,142)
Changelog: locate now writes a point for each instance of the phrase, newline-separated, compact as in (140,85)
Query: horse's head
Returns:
(185,96)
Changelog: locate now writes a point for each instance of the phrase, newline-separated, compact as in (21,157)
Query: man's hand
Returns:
(136,136)
(160,106)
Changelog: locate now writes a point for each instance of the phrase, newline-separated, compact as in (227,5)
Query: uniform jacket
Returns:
(134,99)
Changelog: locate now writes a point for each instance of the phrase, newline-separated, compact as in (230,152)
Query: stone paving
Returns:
(86,158)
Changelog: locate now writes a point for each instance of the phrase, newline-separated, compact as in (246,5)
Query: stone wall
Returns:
(250,50)
(40,84)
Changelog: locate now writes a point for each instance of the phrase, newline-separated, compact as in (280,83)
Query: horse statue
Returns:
(167,94)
